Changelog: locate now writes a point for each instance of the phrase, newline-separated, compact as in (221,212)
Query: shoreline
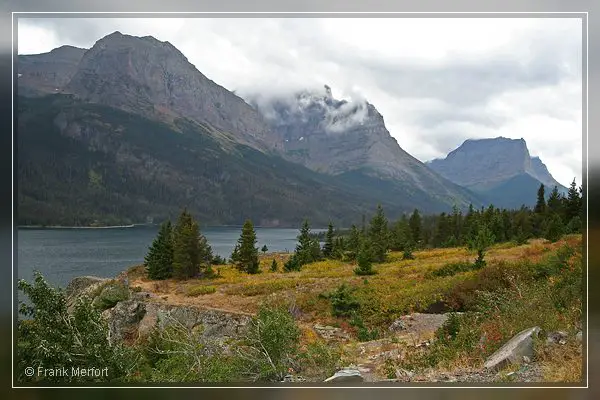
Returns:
(79,227)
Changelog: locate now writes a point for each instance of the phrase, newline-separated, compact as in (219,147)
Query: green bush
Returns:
(200,290)
(110,294)
(343,302)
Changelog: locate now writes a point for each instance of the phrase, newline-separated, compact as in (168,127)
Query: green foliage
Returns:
(307,250)
(320,360)
(540,205)
(554,228)
(363,333)
(407,254)
(378,236)
(50,337)
(264,249)
(365,266)
(328,247)
(343,302)
(453,269)
(110,294)
(186,247)
(247,257)
(159,260)
(480,243)
(574,225)
(274,266)
(271,344)
(415,225)
(200,290)
(354,241)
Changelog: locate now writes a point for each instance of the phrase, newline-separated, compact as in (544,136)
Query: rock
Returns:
(579,336)
(330,332)
(79,284)
(559,337)
(397,325)
(123,319)
(513,351)
(346,375)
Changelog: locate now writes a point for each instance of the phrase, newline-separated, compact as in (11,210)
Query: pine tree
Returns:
(400,235)
(186,252)
(540,206)
(235,254)
(555,202)
(307,249)
(159,260)
(247,259)
(574,203)
(353,244)
(415,227)
(364,260)
(274,266)
(329,242)
(480,243)
(554,228)
(378,235)
(264,249)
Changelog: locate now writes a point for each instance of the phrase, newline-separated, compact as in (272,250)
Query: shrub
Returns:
(364,334)
(343,303)
(271,343)
(110,294)
(200,290)
(453,268)
(274,266)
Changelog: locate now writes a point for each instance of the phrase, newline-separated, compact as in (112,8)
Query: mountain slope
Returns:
(80,162)
(500,169)
(349,140)
(41,74)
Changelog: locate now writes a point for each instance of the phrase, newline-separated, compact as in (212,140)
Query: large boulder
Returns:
(112,293)
(123,319)
(513,351)
(81,284)
(346,375)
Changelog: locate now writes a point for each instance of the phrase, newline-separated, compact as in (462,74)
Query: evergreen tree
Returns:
(408,251)
(205,256)
(378,235)
(235,254)
(554,228)
(186,251)
(540,206)
(480,243)
(364,260)
(329,242)
(159,260)
(400,234)
(555,202)
(307,250)
(353,244)
(247,259)
(274,266)
(574,203)
(415,227)
(264,249)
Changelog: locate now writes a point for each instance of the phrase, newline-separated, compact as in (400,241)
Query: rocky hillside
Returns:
(132,130)
(40,74)
(350,140)
(500,169)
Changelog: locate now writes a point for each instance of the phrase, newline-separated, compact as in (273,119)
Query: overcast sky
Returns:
(437,82)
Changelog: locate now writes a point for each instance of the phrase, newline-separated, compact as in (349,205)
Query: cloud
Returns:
(436,81)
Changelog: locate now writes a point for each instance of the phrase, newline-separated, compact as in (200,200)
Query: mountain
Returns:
(129,131)
(500,169)
(349,140)
(40,74)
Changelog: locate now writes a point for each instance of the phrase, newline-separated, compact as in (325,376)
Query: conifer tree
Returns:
(400,234)
(574,203)
(378,235)
(186,251)
(540,206)
(247,259)
(353,244)
(159,260)
(235,254)
(555,202)
(264,249)
(364,258)
(329,242)
(480,243)
(274,266)
(554,228)
(415,227)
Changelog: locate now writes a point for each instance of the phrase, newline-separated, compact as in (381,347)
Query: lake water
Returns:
(62,254)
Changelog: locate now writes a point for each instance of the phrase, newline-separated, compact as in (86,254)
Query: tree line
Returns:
(181,251)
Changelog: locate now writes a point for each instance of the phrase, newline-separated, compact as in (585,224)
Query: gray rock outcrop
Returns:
(513,351)
(346,375)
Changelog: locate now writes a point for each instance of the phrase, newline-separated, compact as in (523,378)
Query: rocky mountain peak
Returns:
(152,78)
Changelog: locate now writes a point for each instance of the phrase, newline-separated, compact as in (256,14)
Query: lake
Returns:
(62,254)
